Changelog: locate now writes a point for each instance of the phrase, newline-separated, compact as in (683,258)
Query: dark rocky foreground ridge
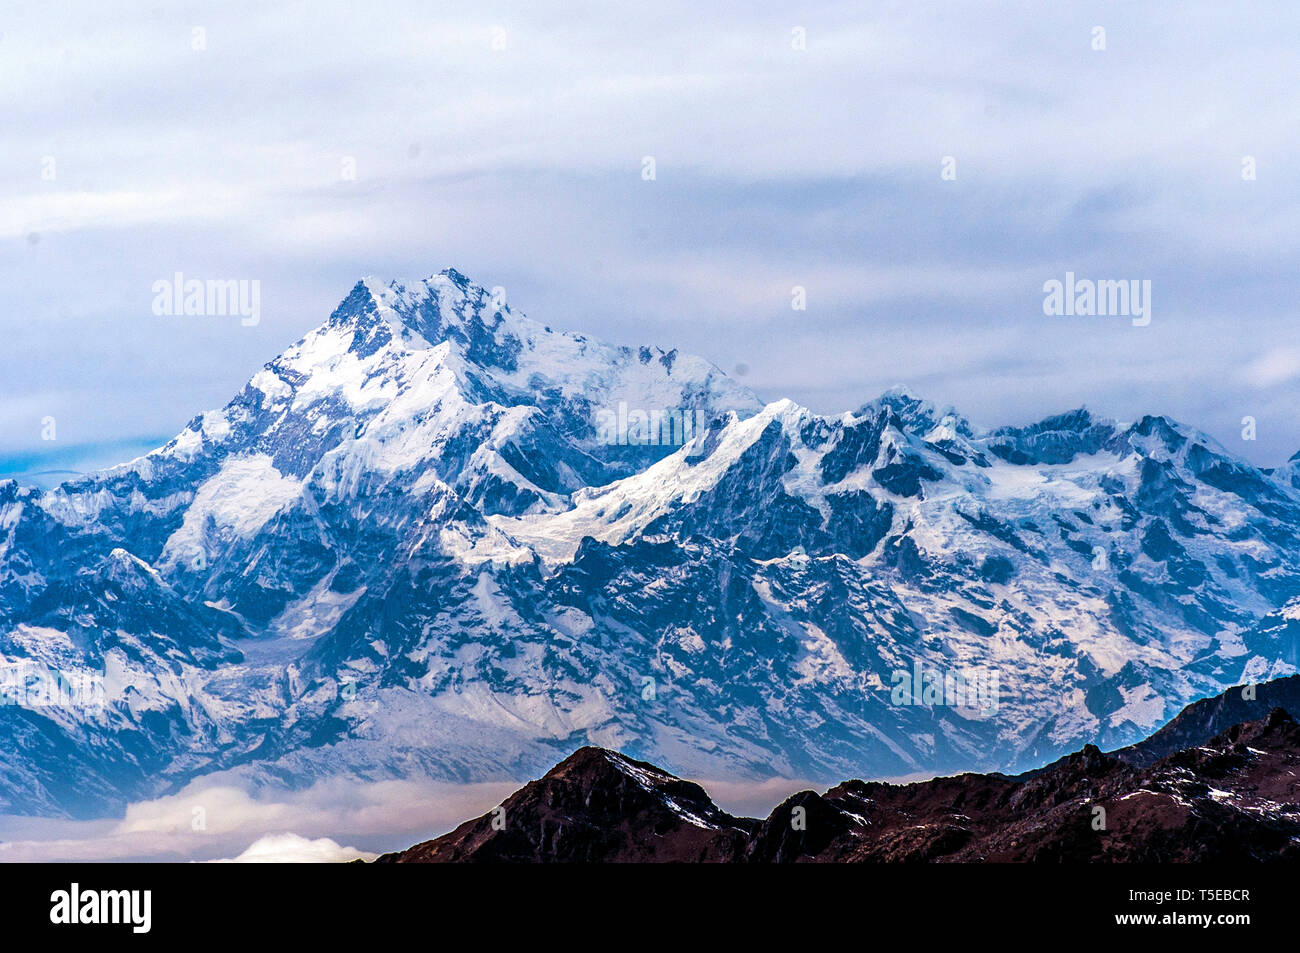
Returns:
(1230,793)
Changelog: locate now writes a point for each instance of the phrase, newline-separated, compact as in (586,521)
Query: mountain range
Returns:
(1231,795)
(437,538)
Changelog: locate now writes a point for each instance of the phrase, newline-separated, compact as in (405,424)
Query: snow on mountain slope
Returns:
(410,546)
(1104,573)
(395,425)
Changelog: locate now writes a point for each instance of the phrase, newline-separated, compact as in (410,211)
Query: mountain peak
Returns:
(565,816)
(443,306)
(913,414)
(455,277)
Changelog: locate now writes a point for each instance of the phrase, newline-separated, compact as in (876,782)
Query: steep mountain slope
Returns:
(376,444)
(432,538)
(1233,799)
(1105,573)
(593,806)
(1200,721)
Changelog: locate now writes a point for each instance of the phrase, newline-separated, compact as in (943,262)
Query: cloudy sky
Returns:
(508,139)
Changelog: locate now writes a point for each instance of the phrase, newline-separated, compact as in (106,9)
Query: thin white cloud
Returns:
(1275,367)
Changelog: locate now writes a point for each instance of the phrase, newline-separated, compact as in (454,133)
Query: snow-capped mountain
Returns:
(435,537)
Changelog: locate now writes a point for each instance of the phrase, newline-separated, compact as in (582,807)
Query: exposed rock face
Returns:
(594,806)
